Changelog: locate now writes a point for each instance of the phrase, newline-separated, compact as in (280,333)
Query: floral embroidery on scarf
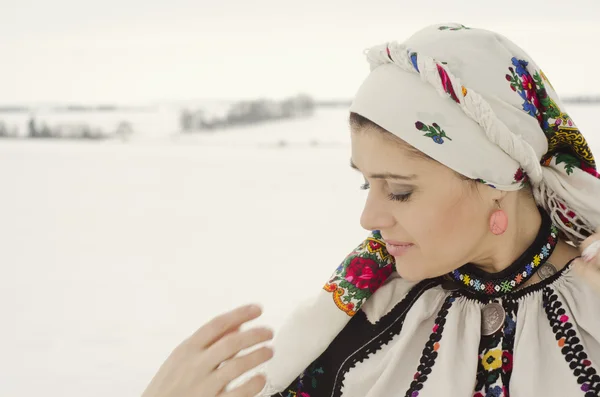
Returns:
(570,345)
(566,144)
(454,28)
(520,176)
(494,367)
(433,131)
(484,182)
(362,272)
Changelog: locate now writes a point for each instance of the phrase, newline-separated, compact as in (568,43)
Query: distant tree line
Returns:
(582,99)
(76,131)
(248,112)
(37,129)
(8,131)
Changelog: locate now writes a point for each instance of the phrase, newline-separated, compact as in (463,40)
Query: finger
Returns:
(236,367)
(224,324)
(591,249)
(590,239)
(233,343)
(248,389)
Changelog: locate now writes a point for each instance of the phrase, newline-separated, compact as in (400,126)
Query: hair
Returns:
(361,123)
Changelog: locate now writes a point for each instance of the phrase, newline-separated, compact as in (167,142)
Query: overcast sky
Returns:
(136,51)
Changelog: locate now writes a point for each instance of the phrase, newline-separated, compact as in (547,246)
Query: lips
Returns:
(398,243)
(397,248)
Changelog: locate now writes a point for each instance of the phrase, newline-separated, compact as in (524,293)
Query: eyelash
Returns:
(393,197)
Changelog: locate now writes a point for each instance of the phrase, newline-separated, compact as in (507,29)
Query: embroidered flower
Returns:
(528,86)
(435,132)
(529,108)
(505,286)
(545,251)
(533,94)
(519,278)
(366,274)
(507,361)
(520,66)
(495,391)
(519,175)
(466,279)
(492,360)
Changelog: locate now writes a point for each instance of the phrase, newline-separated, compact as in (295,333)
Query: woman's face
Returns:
(433,221)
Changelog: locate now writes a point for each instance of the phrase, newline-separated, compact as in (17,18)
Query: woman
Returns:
(481,276)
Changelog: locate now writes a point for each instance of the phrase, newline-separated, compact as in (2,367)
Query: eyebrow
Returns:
(386,175)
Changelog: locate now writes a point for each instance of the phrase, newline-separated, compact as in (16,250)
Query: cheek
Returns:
(452,231)
(445,231)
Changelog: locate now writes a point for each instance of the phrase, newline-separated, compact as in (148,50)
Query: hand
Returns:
(588,266)
(204,364)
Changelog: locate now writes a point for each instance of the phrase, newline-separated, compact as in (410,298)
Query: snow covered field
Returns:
(113,253)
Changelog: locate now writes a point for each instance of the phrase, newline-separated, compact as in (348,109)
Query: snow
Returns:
(113,253)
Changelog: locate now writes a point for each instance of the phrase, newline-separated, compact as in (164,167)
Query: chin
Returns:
(410,272)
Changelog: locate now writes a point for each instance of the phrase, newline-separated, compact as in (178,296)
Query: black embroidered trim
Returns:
(387,327)
(508,344)
(570,344)
(430,351)
(343,354)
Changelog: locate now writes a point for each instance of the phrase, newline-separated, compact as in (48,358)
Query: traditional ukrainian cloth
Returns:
(475,102)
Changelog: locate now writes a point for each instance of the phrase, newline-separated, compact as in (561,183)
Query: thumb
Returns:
(590,249)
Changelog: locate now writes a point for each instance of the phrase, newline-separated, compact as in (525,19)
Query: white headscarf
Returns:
(477,103)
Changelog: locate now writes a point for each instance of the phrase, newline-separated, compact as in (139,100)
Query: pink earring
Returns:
(498,221)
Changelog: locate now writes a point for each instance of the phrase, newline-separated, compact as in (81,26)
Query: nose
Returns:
(376,215)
